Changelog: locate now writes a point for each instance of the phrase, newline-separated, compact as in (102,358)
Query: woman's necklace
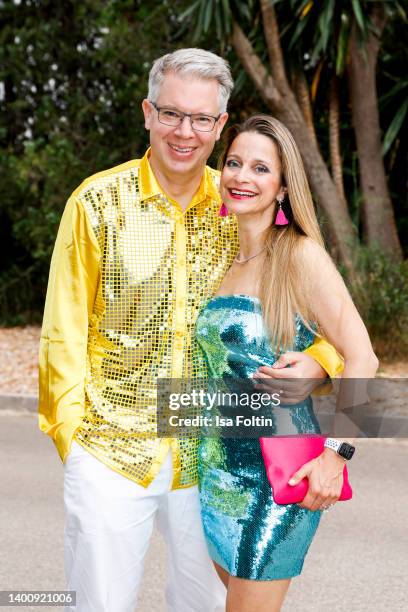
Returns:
(241,261)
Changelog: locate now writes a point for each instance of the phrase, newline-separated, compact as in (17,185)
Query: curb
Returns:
(18,403)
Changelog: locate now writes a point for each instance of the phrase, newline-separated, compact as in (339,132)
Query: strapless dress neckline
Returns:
(236,295)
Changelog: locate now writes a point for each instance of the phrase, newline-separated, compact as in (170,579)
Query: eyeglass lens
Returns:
(199,122)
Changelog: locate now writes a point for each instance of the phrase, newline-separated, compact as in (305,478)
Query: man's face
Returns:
(182,150)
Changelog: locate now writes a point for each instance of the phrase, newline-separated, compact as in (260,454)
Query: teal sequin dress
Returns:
(247,533)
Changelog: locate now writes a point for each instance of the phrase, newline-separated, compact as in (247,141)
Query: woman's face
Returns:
(251,177)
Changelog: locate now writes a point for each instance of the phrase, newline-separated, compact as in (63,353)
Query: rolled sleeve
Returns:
(327,356)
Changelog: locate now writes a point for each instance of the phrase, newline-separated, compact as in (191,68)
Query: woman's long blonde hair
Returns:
(284,287)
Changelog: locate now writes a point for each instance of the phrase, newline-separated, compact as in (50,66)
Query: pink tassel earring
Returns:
(223,212)
(281,217)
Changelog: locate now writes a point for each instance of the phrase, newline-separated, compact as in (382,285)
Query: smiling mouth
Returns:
(181,150)
(240,194)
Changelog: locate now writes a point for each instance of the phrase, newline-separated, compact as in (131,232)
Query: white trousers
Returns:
(109,521)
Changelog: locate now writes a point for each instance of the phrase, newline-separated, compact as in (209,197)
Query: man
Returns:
(139,249)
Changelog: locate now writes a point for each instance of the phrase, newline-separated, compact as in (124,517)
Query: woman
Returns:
(282,285)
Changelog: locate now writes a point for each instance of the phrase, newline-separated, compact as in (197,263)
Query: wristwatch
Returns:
(343,449)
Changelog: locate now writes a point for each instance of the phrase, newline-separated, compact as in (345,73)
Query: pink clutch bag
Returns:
(284,456)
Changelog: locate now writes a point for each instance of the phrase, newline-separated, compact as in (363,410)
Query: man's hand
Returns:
(294,383)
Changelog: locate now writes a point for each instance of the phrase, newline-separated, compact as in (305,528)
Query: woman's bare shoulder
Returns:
(309,248)
(317,268)
(312,255)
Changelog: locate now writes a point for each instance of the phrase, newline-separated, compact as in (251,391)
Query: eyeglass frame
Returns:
(184,115)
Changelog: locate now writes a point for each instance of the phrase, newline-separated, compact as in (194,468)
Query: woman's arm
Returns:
(341,324)
(336,314)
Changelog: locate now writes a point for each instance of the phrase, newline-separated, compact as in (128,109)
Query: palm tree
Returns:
(339,40)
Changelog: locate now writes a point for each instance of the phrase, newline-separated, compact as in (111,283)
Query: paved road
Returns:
(358,561)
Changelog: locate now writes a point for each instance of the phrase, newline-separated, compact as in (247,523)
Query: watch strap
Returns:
(333,444)
(343,449)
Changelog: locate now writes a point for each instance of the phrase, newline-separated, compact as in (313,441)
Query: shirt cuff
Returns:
(327,357)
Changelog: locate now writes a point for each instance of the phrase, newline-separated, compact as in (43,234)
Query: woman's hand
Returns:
(325,475)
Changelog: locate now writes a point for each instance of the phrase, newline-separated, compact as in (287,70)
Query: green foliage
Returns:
(381,295)
(395,126)
(321,30)
(392,83)
(394,102)
(73,75)
(218,15)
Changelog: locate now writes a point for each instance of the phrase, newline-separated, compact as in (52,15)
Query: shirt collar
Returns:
(149,186)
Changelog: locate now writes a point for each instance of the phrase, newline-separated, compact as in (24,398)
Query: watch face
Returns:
(346,450)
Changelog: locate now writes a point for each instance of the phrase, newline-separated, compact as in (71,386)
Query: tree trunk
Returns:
(334,137)
(303,99)
(282,102)
(342,234)
(378,215)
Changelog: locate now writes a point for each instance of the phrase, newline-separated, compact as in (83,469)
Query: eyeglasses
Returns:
(174,117)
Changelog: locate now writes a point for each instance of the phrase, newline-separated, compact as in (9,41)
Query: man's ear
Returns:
(220,124)
(148,112)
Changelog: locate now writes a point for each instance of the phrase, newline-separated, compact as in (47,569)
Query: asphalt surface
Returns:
(357,562)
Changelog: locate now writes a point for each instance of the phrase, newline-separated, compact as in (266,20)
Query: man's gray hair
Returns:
(192,62)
